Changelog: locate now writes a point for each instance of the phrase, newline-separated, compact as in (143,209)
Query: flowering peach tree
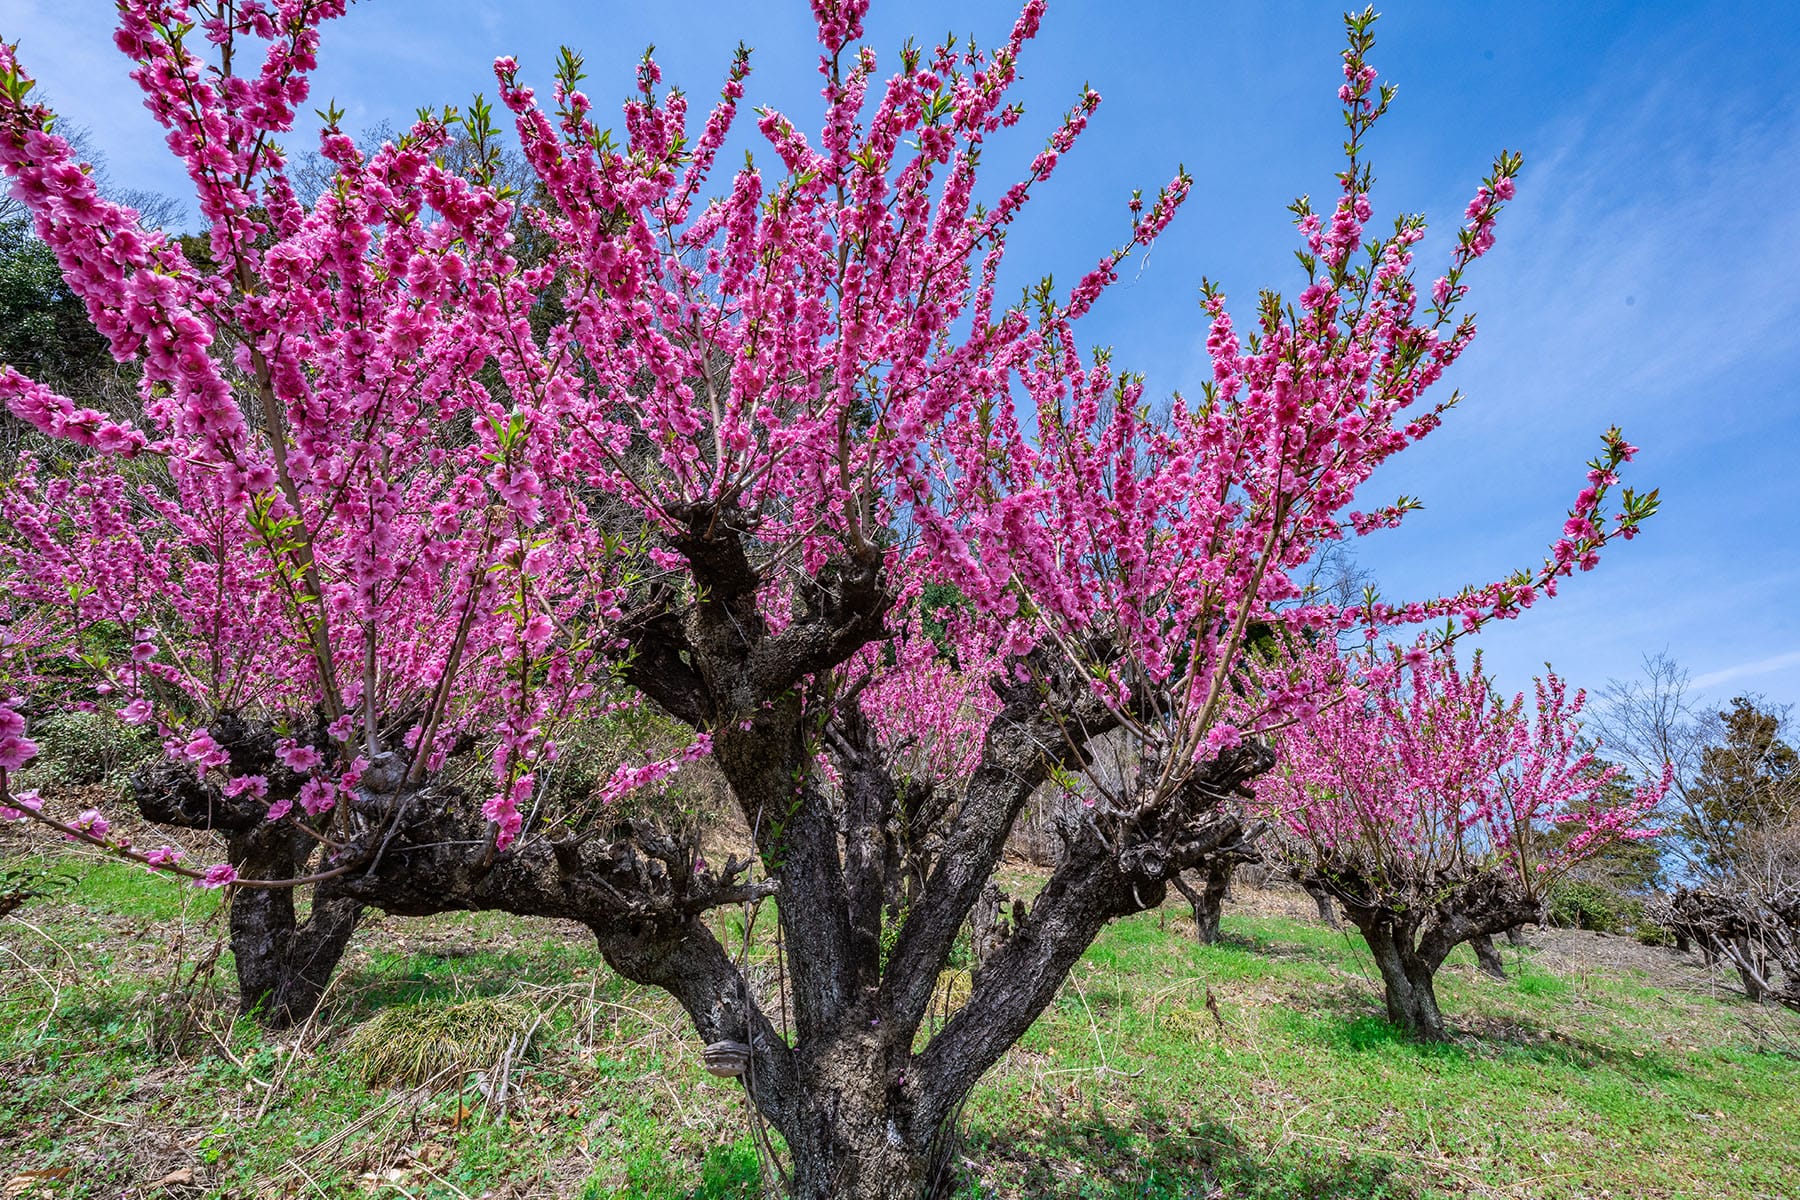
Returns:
(427,470)
(1437,810)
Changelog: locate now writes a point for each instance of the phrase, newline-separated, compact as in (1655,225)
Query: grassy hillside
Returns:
(1600,1069)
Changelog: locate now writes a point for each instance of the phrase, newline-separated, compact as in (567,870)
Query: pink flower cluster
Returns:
(1146,551)
(15,748)
(927,714)
(1420,770)
(406,500)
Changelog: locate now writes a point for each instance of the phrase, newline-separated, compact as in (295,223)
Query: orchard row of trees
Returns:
(421,463)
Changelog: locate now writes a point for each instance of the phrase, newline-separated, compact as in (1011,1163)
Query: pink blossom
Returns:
(1222,737)
(203,751)
(297,758)
(318,795)
(504,810)
(217,876)
(15,752)
(90,822)
(1432,773)
(538,631)
(27,801)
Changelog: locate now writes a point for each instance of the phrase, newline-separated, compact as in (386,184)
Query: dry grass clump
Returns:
(416,1044)
(951,991)
(1178,1020)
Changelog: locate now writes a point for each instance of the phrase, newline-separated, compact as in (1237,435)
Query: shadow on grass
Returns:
(1152,1159)
(1316,947)
(1268,945)
(393,980)
(1091,1158)
(1343,1021)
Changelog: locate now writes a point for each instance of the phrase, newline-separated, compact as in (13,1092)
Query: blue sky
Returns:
(1648,274)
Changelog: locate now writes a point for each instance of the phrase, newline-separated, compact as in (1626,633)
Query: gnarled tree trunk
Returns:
(994,918)
(1752,969)
(1208,900)
(1322,897)
(1406,978)
(1486,956)
(852,1134)
(1756,932)
(283,964)
(1410,941)
(861,1110)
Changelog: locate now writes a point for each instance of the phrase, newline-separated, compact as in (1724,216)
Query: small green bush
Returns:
(1596,907)
(78,749)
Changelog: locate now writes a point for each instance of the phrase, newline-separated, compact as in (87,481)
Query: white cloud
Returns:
(1644,277)
(1653,256)
(1743,670)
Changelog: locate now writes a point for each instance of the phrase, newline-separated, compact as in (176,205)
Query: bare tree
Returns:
(1733,820)
(1337,578)
(312,174)
(154,210)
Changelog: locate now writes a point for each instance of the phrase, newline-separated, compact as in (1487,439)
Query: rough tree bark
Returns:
(1486,956)
(1410,942)
(996,915)
(1751,970)
(1216,873)
(1322,897)
(283,964)
(1406,977)
(1208,900)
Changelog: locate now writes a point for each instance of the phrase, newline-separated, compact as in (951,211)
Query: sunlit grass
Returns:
(1287,1084)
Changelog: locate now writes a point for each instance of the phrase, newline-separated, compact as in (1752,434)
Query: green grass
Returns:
(120,1069)
(1567,1087)
(109,887)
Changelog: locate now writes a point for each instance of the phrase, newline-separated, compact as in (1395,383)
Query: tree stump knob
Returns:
(726,1059)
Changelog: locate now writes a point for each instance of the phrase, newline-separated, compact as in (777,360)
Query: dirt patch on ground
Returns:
(1270,899)
(1568,951)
